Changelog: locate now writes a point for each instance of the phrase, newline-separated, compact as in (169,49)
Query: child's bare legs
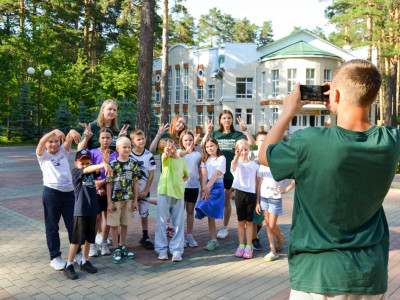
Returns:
(212,227)
(73,248)
(272,230)
(98,223)
(104,227)
(122,234)
(241,229)
(249,232)
(190,216)
(228,206)
(85,250)
(114,236)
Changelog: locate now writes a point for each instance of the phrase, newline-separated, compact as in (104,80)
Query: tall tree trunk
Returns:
(369,37)
(21,17)
(391,109)
(164,68)
(86,26)
(143,104)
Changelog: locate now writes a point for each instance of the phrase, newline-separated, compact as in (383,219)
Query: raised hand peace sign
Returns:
(209,125)
(124,130)
(88,131)
(242,124)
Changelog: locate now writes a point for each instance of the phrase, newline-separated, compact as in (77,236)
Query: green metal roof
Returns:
(299,49)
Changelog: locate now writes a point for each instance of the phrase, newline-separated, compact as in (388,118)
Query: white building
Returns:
(250,81)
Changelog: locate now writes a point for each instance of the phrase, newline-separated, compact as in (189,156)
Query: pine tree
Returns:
(84,115)
(29,116)
(63,118)
(126,113)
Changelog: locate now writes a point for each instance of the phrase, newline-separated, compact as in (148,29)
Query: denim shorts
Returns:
(273,206)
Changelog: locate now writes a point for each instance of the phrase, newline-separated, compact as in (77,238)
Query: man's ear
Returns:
(336,95)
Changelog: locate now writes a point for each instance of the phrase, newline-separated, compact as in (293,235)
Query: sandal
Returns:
(270,257)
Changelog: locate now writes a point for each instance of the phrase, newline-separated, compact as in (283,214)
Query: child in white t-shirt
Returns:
(244,173)
(192,158)
(58,191)
(270,201)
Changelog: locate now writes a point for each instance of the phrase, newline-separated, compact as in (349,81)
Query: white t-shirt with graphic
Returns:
(56,170)
(146,163)
(269,186)
(244,176)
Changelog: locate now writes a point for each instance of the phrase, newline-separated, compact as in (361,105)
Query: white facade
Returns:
(250,81)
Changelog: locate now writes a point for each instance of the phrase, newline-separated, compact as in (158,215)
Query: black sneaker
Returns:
(256,244)
(87,267)
(147,243)
(69,272)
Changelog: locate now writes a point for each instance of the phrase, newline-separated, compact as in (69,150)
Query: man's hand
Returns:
(292,102)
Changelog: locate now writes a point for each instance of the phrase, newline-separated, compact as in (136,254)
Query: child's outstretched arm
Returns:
(72,135)
(87,136)
(97,168)
(154,143)
(42,143)
(235,160)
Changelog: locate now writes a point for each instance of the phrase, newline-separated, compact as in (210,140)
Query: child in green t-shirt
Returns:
(170,201)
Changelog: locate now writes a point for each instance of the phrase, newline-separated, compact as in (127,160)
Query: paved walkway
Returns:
(25,272)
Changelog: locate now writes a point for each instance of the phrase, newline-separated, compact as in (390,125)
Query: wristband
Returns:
(245,129)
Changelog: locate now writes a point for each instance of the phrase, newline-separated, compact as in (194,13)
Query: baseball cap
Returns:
(82,154)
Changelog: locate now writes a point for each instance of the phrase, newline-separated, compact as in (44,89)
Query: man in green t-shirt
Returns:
(339,240)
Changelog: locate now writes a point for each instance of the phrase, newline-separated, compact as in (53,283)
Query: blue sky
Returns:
(284,14)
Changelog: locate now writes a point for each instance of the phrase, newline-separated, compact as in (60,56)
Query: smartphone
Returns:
(314,93)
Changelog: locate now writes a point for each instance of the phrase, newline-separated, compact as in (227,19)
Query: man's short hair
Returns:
(360,79)
(261,133)
(136,133)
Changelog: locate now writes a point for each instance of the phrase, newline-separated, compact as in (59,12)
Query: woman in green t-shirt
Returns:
(227,136)
(107,118)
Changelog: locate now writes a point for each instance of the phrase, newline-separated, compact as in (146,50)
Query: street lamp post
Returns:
(31,71)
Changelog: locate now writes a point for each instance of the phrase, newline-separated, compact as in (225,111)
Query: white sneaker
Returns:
(176,257)
(57,263)
(163,256)
(93,251)
(190,241)
(104,249)
(222,232)
(99,238)
(78,258)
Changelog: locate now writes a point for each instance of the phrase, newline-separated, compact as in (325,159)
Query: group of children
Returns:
(105,188)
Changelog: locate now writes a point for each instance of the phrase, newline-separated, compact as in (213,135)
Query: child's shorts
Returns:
(144,207)
(245,205)
(191,195)
(102,202)
(123,214)
(84,230)
(273,206)
(258,218)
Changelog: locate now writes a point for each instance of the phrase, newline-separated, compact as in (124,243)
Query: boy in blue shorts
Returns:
(339,240)
(86,210)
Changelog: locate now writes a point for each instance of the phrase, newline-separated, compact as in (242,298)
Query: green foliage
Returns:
(63,118)
(126,113)
(84,115)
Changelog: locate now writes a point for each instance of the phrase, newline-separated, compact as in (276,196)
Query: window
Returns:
(244,87)
(327,75)
(200,118)
(274,116)
(169,118)
(322,120)
(210,115)
(262,117)
(177,86)
(200,92)
(185,115)
(304,120)
(310,76)
(157,95)
(238,113)
(211,92)
(275,83)
(169,86)
(294,121)
(291,79)
(249,116)
(263,96)
(185,85)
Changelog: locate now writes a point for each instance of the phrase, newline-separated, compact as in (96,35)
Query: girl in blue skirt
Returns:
(212,199)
